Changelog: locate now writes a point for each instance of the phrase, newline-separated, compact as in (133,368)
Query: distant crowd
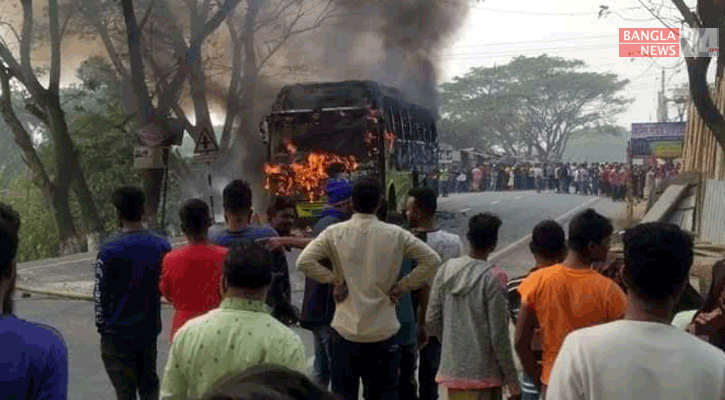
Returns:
(605,179)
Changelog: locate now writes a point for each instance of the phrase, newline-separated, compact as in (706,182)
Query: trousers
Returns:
(131,366)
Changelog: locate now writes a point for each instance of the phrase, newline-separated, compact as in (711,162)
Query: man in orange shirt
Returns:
(190,275)
(567,296)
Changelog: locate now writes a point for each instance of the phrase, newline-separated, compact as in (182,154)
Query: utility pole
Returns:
(662,101)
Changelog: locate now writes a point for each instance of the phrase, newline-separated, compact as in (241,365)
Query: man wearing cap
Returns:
(318,306)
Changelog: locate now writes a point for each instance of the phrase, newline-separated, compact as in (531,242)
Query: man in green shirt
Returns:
(240,334)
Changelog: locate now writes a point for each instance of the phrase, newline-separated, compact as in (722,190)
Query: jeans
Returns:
(443,188)
(378,365)
(131,366)
(407,387)
(279,298)
(430,359)
(529,391)
(322,370)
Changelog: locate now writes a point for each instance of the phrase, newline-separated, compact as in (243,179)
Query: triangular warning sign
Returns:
(206,143)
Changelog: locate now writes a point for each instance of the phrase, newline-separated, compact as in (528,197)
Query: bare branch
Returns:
(690,18)
(102,30)
(192,53)
(26,36)
(147,15)
(54,84)
(20,134)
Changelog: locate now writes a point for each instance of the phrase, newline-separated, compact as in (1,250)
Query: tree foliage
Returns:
(531,106)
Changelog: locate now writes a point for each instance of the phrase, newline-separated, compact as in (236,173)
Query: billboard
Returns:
(658,139)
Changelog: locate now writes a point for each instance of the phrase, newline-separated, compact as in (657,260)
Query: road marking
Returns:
(518,197)
(526,238)
(465,210)
(496,202)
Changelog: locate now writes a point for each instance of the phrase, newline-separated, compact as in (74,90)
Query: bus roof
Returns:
(338,95)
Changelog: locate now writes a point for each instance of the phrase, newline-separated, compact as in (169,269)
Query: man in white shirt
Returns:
(539,177)
(583,177)
(643,356)
(366,256)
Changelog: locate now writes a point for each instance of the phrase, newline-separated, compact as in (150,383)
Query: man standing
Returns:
(476,175)
(34,357)
(190,275)
(127,299)
(539,178)
(237,203)
(567,296)
(548,246)
(366,256)
(443,181)
(643,356)
(467,311)
(583,180)
(420,213)
(318,306)
(237,335)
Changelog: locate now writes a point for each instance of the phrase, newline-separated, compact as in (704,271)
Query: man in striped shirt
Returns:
(548,246)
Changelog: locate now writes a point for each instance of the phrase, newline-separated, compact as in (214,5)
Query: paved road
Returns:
(520,211)
(74,318)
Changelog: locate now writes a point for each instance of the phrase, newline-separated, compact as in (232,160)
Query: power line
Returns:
(564,14)
(518,52)
(609,36)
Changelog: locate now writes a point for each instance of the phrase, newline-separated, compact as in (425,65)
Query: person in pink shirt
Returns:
(190,275)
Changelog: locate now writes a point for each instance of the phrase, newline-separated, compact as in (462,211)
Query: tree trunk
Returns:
(63,149)
(152,185)
(56,201)
(94,225)
(249,85)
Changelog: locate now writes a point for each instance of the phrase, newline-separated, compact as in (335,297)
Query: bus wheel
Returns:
(392,201)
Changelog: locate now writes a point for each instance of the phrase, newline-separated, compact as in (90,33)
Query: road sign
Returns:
(206,143)
(205,157)
(152,135)
(148,157)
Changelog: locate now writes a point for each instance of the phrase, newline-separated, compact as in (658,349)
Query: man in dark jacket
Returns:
(318,306)
(237,203)
(127,299)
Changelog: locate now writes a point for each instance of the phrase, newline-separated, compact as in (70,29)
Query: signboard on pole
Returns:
(152,136)
(148,157)
(445,156)
(206,143)
(658,139)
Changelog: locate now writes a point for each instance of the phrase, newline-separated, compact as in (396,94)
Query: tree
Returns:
(533,105)
(709,14)
(44,104)
(177,59)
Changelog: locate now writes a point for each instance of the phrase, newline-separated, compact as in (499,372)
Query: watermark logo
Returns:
(666,42)
(699,42)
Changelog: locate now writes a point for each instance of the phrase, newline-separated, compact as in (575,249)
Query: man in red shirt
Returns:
(190,275)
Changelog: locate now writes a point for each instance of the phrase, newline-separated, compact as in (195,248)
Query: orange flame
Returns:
(307,177)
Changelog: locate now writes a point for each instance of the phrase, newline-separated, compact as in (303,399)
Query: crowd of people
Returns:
(598,179)
(400,306)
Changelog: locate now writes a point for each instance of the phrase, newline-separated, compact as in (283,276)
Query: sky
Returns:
(496,31)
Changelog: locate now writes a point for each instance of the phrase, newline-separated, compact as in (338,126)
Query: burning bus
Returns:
(360,127)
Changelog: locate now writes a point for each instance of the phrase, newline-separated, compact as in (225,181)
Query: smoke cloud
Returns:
(396,43)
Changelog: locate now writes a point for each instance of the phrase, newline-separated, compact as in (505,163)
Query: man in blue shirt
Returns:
(127,299)
(237,203)
(33,357)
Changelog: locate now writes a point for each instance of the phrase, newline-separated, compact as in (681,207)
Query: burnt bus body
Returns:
(392,138)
